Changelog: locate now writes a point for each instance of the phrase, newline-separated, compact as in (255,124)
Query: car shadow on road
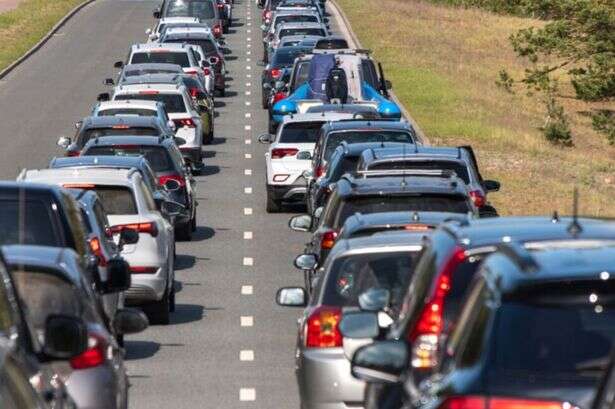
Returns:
(219,104)
(186,313)
(209,170)
(231,57)
(136,350)
(184,261)
(230,94)
(203,233)
(209,154)
(293,208)
(218,140)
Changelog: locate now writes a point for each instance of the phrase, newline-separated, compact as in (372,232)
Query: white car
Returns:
(153,34)
(134,107)
(290,155)
(129,205)
(181,109)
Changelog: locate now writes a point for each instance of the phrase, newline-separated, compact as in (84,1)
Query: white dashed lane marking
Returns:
(247,211)
(248,103)
(247,290)
(247,127)
(248,141)
(247,190)
(248,115)
(247,321)
(247,394)
(247,172)
(248,156)
(246,355)
(247,235)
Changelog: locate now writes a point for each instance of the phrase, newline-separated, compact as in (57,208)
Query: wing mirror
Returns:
(118,64)
(148,31)
(491,185)
(104,96)
(291,297)
(172,209)
(129,321)
(263,27)
(213,60)
(156,13)
(306,261)
(78,124)
(118,272)
(302,222)
(108,81)
(179,141)
(382,361)
(318,212)
(64,142)
(360,324)
(65,336)
(172,125)
(304,155)
(375,299)
(265,138)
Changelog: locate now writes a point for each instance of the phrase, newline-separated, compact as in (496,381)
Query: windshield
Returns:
(28,222)
(301,32)
(203,9)
(116,199)
(157,156)
(460,169)
(419,202)
(296,18)
(335,138)
(300,132)
(173,103)
(207,45)
(161,57)
(351,276)
(127,112)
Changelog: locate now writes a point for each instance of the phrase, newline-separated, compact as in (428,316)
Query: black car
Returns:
(166,160)
(535,331)
(605,397)
(97,126)
(442,192)
(282,58)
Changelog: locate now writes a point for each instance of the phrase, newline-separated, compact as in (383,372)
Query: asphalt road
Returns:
(229,345)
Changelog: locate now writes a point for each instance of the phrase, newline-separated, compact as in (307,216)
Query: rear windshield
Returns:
(120,130)
(302,32)
(127,112)
(116,199)
(301,74)
(157,156)
(28,222)
(335,138)
(331,44)
(348,165)
(136,73)
(351,276)
(203,9)
(207,45)
(378,204)
(460,169)
(300,132)
(174,103)
(284,58)
(166,57)
(296,18)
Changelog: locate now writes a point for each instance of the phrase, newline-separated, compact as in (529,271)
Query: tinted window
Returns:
(301,74)
(332,44)
(348,164)
(372,204)
(203,9)
(296,18)
(28,223)
(350,276)
(179,58)
(300,132)
(173,103)
(207,45)
(120,130)
(461,280)
(302,32)
(284,58)
(157,156)
(127,112)
(460,169)
(335,138)
(116,199)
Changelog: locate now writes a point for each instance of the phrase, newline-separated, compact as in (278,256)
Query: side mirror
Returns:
(360,325)
(148,31)
(291,297)
(302,222)
(306,261)
(118,64)
(388,84)
(156,13)
(318,212)
(129,321)
(118,272)
(104,96)
(382,361)
(64,142)
(179,141)
(78,124)
(172,209)
(375,299)
(263,27)
(491,185)
(65,336)
(129,236)
(171,185)
(304,155)
(265,138)
(108,81)
(172,125)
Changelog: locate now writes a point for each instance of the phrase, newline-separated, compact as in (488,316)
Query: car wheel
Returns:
(159,313)
(184,232)
(193,223)
(273,206)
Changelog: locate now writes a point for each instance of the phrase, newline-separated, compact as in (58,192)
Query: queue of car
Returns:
(416,293)
(88,246)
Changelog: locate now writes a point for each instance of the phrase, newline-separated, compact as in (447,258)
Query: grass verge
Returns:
(24,26)
(443,62)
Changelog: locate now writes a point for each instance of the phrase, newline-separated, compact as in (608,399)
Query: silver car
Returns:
(383,261)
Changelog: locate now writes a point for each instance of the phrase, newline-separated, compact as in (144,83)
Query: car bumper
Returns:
(325,381)
(147,287)
(287,193)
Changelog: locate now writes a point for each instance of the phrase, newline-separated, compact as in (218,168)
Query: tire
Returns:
(273,206)
(184,232)
(159,313)
(193,223)
(264,100)
(172,299)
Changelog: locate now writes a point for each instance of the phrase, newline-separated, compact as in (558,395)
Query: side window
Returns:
(176,156)
(369,73)
(147,195)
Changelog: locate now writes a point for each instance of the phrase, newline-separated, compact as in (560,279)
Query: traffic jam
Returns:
(415,292)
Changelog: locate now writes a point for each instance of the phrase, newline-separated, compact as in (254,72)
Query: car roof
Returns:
(68,176)
(387,241)
(396,185)
(152,66)
(356,149)
(159,47)
(360,221)
(366,125)
(57,259)
(305,24)
(129,140)
(125,162)
(167,88)
(295,12)
(108,121)
(136,103)
(158,78)
(182,19)
(311,117)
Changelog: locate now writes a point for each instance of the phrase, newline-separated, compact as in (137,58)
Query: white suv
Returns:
(180,108)
(163,23)
(290,156)
(129,205)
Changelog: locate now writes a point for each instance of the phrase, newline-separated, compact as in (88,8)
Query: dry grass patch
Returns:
(443,62)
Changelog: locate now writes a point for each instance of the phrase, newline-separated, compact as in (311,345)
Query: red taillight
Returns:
(143,270)
(494,402)
(267,15)
(148,228)
(279,153)
(320,170)
(275,73)
(431,321)
(322,328)
(184,122)
(220,6)
(96,248)
(192,72)
(194,92)
(206,71)
(328,239)
(278,96)
(478,198)
(93,356)
(178,178)
(73,153)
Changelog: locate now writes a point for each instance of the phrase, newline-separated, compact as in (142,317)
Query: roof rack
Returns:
(521,256)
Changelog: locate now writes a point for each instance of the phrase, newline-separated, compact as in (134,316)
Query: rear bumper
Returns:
(85,386)
(192,155)
(287,193)
(147,287)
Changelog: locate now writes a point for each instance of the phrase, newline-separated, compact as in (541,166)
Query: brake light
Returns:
(184,122)
(320,170)
(279,153)
(268,15)
(178,178)
(487,402)
(217,30)
(328,239)
(147,228)
(206,71)
(93,356)
(73,153)
(78,186)
(275,73)
(194,92)
(322,328)
(278,96)
(120,127)
(220,6)
(191,72)
(143,270)
(148,92)
(478,198)
(96,248)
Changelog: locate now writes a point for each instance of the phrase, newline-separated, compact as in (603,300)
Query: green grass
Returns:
(24,26)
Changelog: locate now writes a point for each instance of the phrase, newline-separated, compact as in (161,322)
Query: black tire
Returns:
(264,100)
(193,223)
(159,313)
(273,206)
(184,232)
(120,340)
(172,299)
